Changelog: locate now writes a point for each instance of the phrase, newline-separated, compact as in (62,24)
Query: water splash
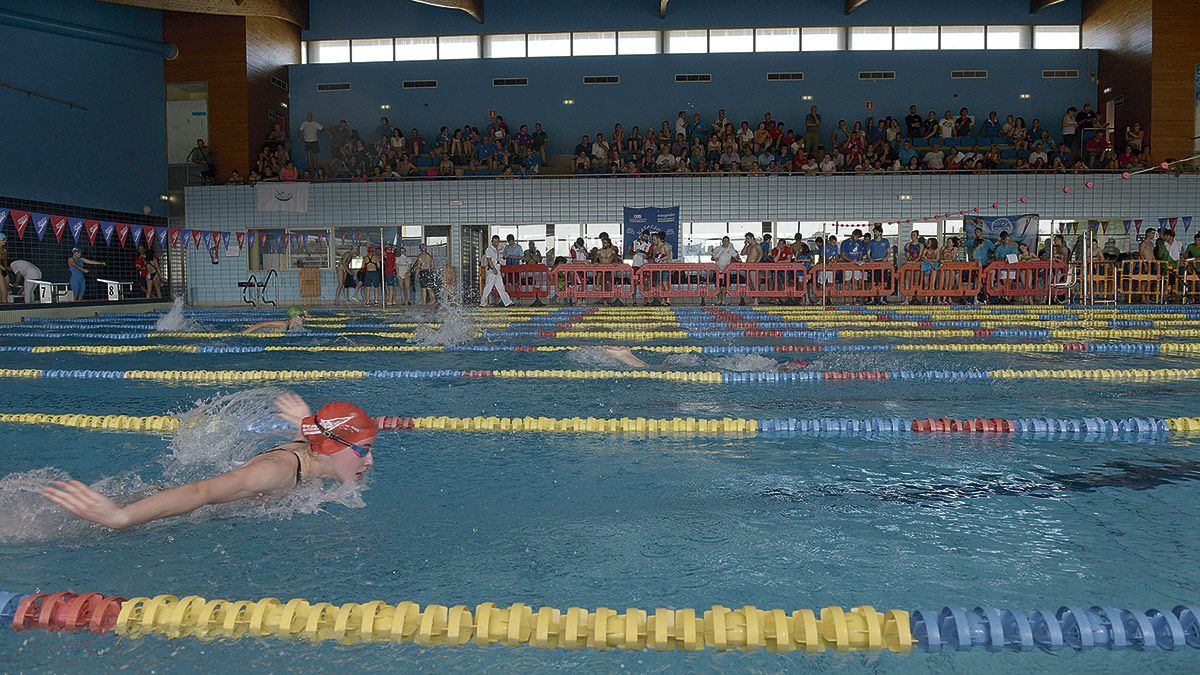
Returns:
(683,360)
(744,363)
(27,516)
(456,328)
(591,358)
(219,433)
(174,321)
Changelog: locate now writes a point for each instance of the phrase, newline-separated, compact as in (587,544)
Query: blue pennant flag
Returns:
(1162,222)
(1187,222)
(225,238)
(136,231)
(162,237)
(40,222)
(76,228)
(106,228)
(3,215)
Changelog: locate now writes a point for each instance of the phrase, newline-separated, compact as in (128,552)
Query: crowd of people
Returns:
(392,277)
(691,144)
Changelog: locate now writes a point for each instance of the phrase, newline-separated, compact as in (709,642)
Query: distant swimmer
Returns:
(295,321)
(793,366)
(624,355)
(334,443)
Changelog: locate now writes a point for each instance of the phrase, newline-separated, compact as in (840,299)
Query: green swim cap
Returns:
(295,311)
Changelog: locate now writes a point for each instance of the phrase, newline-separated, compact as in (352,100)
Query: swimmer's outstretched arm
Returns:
(250,480)
(275,326)
(241,483)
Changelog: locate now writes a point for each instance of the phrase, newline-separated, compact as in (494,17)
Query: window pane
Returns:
(865,38)
(637,42)
(416,49)
(329,51)
(821,39)
(686,42)
(777,40)
(1056,37)
(594,44)
(549,44)
(374,49)
(1007,37)
(303,53)
(916,37)
(728,40)
(962,37)
(311,250)
(504,46)
(458,47)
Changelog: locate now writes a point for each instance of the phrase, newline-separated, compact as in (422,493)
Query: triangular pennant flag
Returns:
(1104,226)
(3,215)
(148,233)
(137,235)
(122,233)
(20,221)
(175,235)
(162,236)
(59,225)
(262,239)
(93,228)
(241,239)
(76,225)
(1173,221)
(1187,222)
(1128,224)
(304,239)
(225,236)
(206,237)
(40,222)
(195,237)
(1138,222)
(1162,222)
(278,240)
(107,228)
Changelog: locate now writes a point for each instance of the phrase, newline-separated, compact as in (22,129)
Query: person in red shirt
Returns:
(389,273)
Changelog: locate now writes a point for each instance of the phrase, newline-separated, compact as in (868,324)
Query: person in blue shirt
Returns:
(980,248)
(698,129)
(879,248)
(990,127)
(906,153)
(512,251)
(852,249)
(485,155)
(1005,248)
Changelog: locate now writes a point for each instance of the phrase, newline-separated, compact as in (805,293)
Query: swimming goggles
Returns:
(360,450)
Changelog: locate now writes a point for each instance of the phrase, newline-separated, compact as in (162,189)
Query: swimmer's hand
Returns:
(291,408)
(87,503)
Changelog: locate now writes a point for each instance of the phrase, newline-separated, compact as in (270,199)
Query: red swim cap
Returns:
(344,420)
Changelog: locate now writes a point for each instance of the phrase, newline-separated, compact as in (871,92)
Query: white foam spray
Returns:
(174,321)
(455,328)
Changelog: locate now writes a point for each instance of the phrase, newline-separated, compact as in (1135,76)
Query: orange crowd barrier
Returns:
(678,280)
(950,280)
(582,281)
(767,280)
(1103,276)
(1189,282)
(1033,279)
(854,280)
(1143,281)
(526,281)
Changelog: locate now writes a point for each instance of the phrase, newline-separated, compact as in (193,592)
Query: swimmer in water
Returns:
(793,366)
(295,321)
(624,355)
(334,443)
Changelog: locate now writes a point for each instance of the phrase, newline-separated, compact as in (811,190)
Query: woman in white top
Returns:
(640,248)
(724,255)
(579,252)
(403,280)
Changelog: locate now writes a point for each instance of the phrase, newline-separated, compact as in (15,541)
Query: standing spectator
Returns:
(1168,249)
(1086,120)
(1135,136)
(879,248)
(4,270)
(310,131)
(389,273)
(347,280)
(964,124)
(202,158)
(512,251)
(912,250)
(404,276)
(532,255)
(931,127)
(990,128)
(77,264)
(491,259)
(383,132)
(681,124)
(139,264)
(1070,127)
(579,253)
(946,126)
(723,256)
(153,274)
(1147,248)
(538,140)
(425,276)
(1192,254)
(913,126)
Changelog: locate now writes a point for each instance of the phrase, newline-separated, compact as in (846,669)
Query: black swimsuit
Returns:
(298,462)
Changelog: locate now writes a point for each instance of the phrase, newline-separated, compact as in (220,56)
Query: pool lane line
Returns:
(1143,348)
(744,628)
(1091,427)
(693,377)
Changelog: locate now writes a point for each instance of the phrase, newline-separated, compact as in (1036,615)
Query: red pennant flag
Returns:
(262,239)
(148,233)
(122,233)
(1138,222)
(59,223)
(196,237)
(241,239)
(20,221)
(93,228)
(1172,220)
(173,233)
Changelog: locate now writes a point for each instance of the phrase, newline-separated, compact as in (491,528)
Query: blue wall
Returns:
(647,92)
(111,155)
(331,19)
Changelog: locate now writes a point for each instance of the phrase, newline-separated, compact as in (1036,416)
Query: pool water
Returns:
(598,520)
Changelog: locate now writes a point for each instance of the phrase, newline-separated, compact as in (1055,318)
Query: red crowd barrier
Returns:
(67,612)
(1034,279)
(679,280)
(767,280)
(949,280)
(526,281)
(602,282)
(854,280)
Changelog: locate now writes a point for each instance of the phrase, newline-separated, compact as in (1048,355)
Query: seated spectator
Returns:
(415,144)
(288,172)
(582,164)
(446,167)
(600,159)
(907,152)
(1007,127)
(934,160)
(1020,135)
(584,146)
(538,140)
(931,127)
(1134,137)
(964,124)
(235,178)
(1038,159)
(991,127)
(665,161)
(396,141)
(828,165)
